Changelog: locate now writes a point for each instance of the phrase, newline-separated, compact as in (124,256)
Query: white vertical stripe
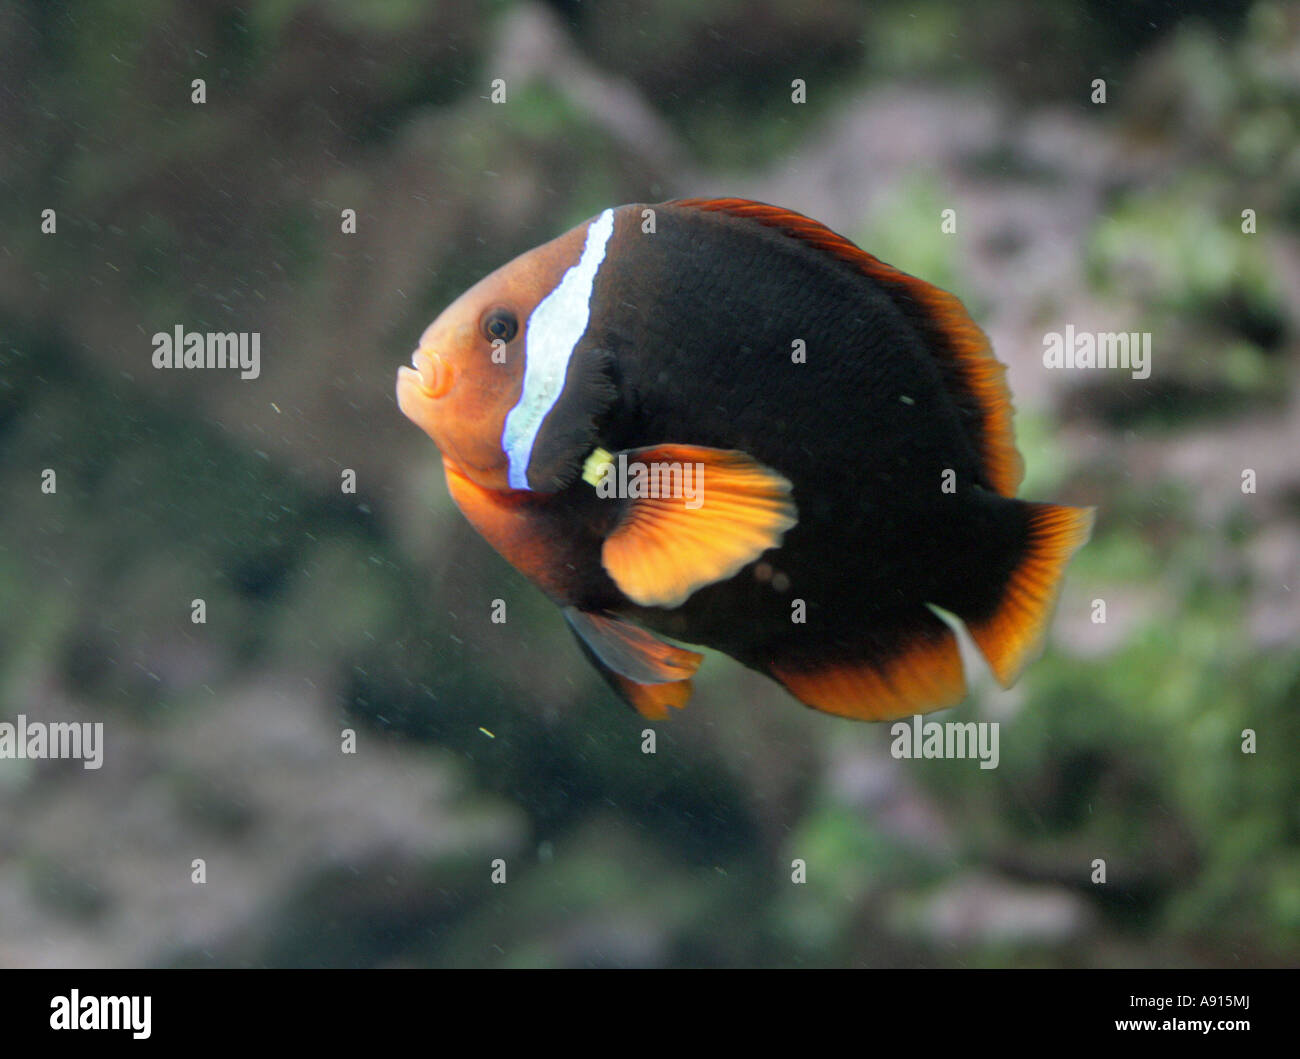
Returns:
(554,330)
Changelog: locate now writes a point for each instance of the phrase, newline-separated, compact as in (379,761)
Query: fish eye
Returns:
(500,324)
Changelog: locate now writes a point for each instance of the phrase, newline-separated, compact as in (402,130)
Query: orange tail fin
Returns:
(1012,636)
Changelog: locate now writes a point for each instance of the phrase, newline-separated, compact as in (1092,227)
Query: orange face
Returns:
(469,367)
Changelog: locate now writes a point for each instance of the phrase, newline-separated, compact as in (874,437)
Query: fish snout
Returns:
(434,373)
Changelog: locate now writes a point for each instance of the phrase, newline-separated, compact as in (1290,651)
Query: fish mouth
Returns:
(430,372)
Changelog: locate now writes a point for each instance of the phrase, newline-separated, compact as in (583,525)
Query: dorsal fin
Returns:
(973,377)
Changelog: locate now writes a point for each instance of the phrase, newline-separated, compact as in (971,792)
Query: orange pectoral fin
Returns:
(696,515)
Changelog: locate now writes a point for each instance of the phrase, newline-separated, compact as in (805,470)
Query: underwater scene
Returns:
(648,484)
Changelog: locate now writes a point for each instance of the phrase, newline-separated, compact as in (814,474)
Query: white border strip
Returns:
(554,330)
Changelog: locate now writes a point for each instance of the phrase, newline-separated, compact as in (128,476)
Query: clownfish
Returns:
(717,422)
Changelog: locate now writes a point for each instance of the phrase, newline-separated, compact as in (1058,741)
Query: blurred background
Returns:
(369,611)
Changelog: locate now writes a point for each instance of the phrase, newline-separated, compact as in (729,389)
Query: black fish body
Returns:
(850,417)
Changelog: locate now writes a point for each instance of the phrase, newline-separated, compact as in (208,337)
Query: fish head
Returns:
(468,370)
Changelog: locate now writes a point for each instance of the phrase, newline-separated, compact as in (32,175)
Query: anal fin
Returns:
(896,670)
